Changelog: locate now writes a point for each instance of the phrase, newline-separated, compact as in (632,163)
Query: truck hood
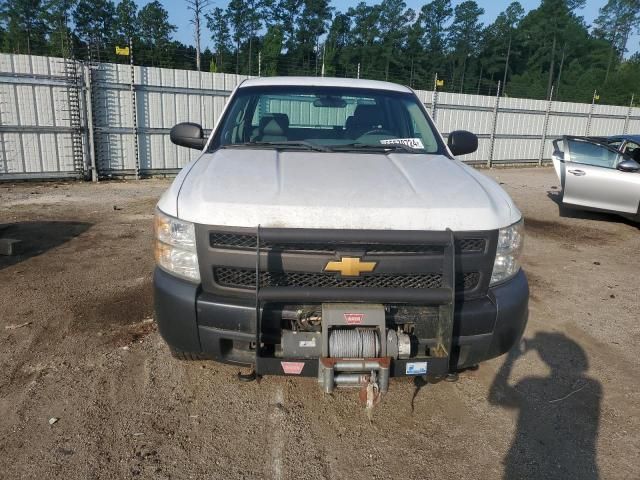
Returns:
(303,189)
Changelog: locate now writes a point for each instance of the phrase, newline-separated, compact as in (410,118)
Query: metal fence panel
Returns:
(35,119)
(42,134)
(163,98)
(634,125)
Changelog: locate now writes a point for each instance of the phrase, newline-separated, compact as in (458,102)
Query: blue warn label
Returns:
(416,368)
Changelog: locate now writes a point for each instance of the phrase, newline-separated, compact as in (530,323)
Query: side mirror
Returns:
(462,142)
(188,135)
(628,166)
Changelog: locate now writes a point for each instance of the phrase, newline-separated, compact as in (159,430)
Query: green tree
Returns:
(244,17)
(218,23)
(126,21)
(57,15)
(26,29)
(394,25)
(624,83)
(312,24)
(498,43)
(236,12)
(253,23)
(465,34)
(548,31)
(431,31)
(616,21)
(155,33)
(364,35)
(415,54)
(336,46)
(95,21)
(285,14)
(271,49)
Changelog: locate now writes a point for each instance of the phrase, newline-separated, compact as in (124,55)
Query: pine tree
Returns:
(546,32)
(285,14)
(364,35)
(197,7)
(615,23)
(271,50)
(155,32)
(465,34)
(57,15)
(394,24)
(95,22)
(218,24)
(126,21)
(26,29)
(433,18)
(336,45)
(312,24)
(245,20)
(498,44)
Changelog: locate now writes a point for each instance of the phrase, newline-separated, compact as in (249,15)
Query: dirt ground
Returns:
(78,344)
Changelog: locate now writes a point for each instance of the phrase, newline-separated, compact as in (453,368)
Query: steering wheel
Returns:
(378,131)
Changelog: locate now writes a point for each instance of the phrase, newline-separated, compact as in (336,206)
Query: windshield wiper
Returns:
(376,148)
(280,144)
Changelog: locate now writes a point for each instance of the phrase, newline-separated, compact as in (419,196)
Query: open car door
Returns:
(588,171)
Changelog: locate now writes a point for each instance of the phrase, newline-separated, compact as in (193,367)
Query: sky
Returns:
(180,16)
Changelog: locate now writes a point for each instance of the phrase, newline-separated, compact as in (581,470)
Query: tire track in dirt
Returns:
(275,431)
(117,407)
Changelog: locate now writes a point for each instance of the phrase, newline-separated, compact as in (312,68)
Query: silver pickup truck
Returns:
(327,230)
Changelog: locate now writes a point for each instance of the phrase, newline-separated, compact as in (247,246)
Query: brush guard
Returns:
(370,374)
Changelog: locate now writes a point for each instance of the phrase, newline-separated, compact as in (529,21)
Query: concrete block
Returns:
(10,246)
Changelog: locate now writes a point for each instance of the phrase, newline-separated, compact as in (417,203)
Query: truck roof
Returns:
(323,82)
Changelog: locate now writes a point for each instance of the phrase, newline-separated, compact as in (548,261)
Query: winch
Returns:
(349,342)
(348,331)
(354,346)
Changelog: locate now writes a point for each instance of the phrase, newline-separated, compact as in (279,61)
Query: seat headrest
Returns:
(369,114)
(274,124)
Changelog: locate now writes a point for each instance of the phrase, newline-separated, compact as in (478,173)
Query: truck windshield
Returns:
(327,119)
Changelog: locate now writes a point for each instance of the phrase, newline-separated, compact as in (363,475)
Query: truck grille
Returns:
(240,241)
(407,262)
(246,278)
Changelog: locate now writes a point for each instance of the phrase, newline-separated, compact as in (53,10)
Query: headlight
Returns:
(175,246)
(507,263)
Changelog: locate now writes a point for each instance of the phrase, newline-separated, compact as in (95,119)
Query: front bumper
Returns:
(223,329)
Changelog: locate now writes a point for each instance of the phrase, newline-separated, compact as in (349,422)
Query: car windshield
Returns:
(327,119)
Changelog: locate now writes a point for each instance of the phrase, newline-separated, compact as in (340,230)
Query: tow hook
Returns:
(370,394)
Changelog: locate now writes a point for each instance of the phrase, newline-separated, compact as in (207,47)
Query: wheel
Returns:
(187,356)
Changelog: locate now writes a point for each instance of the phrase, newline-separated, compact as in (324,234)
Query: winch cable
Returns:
(354,343)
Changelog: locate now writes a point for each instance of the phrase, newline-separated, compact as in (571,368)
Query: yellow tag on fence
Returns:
(122,51)
(439,83)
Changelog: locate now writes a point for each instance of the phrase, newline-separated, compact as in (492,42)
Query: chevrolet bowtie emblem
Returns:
(350,266)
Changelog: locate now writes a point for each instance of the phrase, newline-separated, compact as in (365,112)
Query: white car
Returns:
(327,230)
(600,173)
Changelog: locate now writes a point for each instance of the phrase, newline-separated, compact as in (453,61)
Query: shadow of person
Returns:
(558,415)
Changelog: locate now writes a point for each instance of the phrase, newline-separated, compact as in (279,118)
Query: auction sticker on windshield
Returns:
(409,142)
